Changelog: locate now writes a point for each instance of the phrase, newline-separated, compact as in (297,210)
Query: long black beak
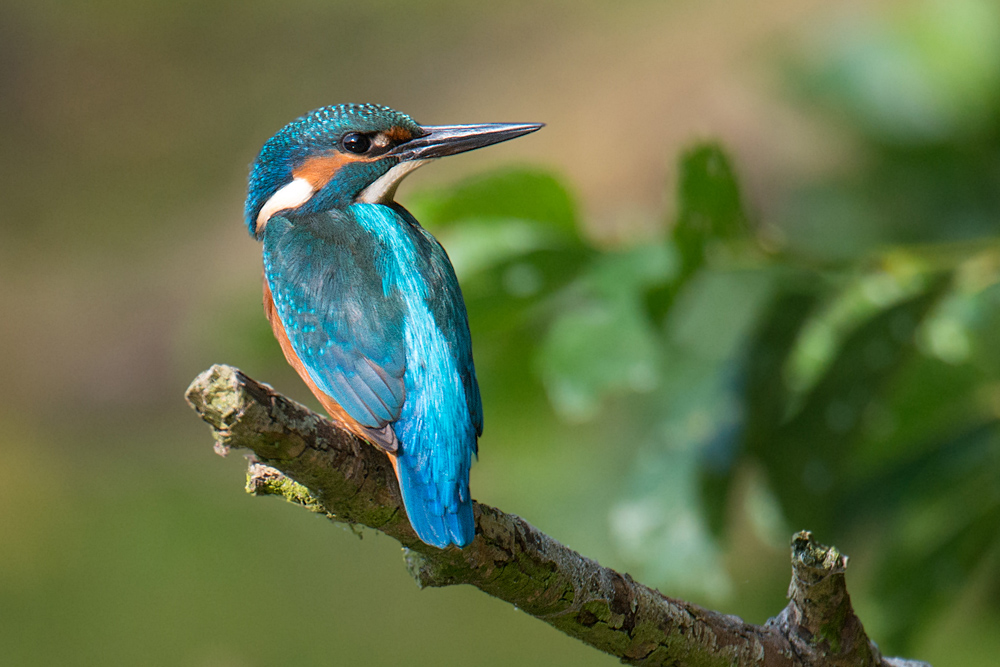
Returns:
(442,140)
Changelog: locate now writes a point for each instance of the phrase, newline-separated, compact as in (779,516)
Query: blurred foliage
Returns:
(856,385)
(674,407)
(919,91)
(868,393)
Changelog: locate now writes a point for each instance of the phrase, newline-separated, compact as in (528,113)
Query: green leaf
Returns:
(945,525)
(509,298)
(709,215)
(809,458)
(657,527)
(518,290)
(514,194)
(762,394)
(601,341)
(710,208)
(716,313)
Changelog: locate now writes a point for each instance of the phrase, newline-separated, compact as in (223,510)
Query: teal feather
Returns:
(374,312)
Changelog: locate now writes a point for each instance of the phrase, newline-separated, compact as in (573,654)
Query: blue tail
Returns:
(440,513)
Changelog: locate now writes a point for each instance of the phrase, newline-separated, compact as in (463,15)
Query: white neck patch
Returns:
(293,195)
(383,190)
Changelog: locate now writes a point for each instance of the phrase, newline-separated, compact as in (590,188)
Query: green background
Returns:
(745,282)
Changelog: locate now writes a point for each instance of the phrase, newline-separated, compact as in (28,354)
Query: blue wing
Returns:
(449,312)
(328,292)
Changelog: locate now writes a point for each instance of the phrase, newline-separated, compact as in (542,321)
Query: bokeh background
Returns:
(745,282)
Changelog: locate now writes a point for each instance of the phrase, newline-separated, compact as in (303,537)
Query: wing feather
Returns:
(345,329)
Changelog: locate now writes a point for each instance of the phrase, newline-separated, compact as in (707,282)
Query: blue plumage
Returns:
(346,329)
(442,415)
(355,290)
(365,301)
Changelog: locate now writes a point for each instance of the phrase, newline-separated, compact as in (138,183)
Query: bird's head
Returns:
(337,155)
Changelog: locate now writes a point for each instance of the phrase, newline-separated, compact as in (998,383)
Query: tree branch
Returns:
(308,460)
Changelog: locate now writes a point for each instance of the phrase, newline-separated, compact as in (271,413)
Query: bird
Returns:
(364,301)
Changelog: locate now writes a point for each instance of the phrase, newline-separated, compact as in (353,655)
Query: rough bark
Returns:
(308,460)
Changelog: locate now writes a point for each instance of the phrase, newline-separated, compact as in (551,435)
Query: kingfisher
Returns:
(364,301)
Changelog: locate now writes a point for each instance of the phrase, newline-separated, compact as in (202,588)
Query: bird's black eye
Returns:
(355,142)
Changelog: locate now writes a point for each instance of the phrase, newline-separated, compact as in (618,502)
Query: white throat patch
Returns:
(293,195)
(383,190)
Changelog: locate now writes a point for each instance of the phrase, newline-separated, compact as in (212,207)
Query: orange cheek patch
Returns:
(319,170)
